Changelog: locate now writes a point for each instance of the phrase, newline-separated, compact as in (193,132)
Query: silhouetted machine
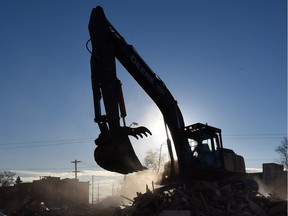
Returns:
(198,147)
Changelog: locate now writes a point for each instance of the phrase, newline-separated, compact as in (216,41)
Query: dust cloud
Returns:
(276,190)
(138,182)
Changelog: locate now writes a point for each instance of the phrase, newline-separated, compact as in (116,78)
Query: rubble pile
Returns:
(205,199)
(198,199)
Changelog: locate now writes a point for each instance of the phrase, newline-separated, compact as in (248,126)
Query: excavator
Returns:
(198,147)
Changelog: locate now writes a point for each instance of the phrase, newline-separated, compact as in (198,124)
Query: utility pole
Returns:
(98,195)
(76,171)
(92,189)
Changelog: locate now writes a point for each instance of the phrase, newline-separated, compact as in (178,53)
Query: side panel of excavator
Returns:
(233,162)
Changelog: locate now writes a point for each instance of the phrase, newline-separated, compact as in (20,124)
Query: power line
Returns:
(255,136)
(51,143)
(44,169)
(257,159)
(43,144)
(48,141)
(258,134)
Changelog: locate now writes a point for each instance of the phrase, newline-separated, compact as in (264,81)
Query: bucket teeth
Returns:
(136,132)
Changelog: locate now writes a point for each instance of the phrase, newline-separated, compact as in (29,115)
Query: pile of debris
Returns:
(205,199)
(199,199)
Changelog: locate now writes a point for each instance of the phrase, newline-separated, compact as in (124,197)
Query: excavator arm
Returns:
(114,151)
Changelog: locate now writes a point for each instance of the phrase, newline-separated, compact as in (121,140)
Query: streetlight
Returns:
(159,162)
(133,123)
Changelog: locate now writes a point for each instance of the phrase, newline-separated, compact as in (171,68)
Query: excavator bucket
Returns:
(114,151)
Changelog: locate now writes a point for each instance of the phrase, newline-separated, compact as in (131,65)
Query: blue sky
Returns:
(224,61)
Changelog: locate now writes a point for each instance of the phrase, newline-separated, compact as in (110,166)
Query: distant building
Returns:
(275,179)
(53,191)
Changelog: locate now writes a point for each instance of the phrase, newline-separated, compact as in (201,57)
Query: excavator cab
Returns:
(206,145)
(208,159)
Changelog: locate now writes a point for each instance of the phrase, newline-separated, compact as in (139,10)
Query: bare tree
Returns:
(7,178)
(282,151)
(154,159)
(151,160)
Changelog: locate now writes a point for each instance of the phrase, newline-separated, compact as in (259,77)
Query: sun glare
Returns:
(153,120)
